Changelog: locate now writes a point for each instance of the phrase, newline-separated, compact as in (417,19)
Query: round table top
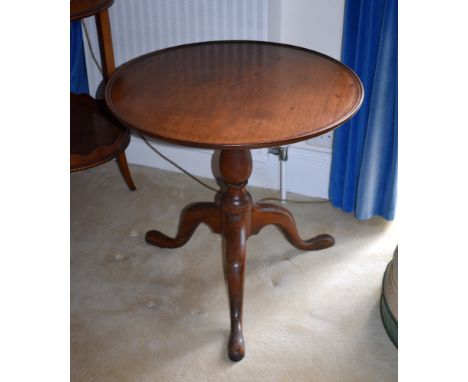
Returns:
(234,94)
(83,8)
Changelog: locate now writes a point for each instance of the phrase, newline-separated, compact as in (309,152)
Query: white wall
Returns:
(142,26)
(313,24)
(145,25)
(316,25)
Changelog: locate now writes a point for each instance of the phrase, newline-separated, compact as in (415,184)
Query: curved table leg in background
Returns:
(192,216)
(123,166)
(265,214)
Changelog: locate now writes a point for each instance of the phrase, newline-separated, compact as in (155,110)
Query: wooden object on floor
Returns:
(96,136)
(389,300)
(234,96)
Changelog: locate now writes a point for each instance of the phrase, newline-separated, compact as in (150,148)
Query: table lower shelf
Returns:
(95,136)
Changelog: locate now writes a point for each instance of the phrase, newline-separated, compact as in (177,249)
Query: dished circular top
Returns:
(231,94)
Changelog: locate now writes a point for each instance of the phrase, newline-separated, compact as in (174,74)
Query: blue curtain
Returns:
(364,161)
(78,76)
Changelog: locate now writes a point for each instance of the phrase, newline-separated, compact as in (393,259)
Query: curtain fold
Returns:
(363,176)
(78,74)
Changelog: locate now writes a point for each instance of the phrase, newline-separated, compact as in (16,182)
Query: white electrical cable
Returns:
(177,166)
(90,47)
(283,179)
(282,199)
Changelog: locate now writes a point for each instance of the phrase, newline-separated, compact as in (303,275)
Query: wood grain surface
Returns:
(95,136)
(231,94)
(80,9)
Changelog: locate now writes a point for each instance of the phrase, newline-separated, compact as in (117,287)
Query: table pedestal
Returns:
(236,217)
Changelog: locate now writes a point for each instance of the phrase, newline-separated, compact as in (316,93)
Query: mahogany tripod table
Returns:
(234,96)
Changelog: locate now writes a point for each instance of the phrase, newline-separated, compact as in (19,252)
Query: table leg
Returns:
(235,242)
(123,166)
(236,217)
(265,214)
(192,216)
(236,206)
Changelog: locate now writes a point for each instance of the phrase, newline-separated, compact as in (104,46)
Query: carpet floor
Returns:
(143,314)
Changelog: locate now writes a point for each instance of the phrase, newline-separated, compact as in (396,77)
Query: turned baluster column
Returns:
(236,212)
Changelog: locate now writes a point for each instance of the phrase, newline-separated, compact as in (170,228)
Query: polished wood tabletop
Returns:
(231,94)
(84,8)
(234,96)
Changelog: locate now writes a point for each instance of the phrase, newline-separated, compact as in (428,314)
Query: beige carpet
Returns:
(141,314)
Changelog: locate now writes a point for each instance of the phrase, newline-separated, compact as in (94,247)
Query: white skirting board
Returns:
(308,169)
